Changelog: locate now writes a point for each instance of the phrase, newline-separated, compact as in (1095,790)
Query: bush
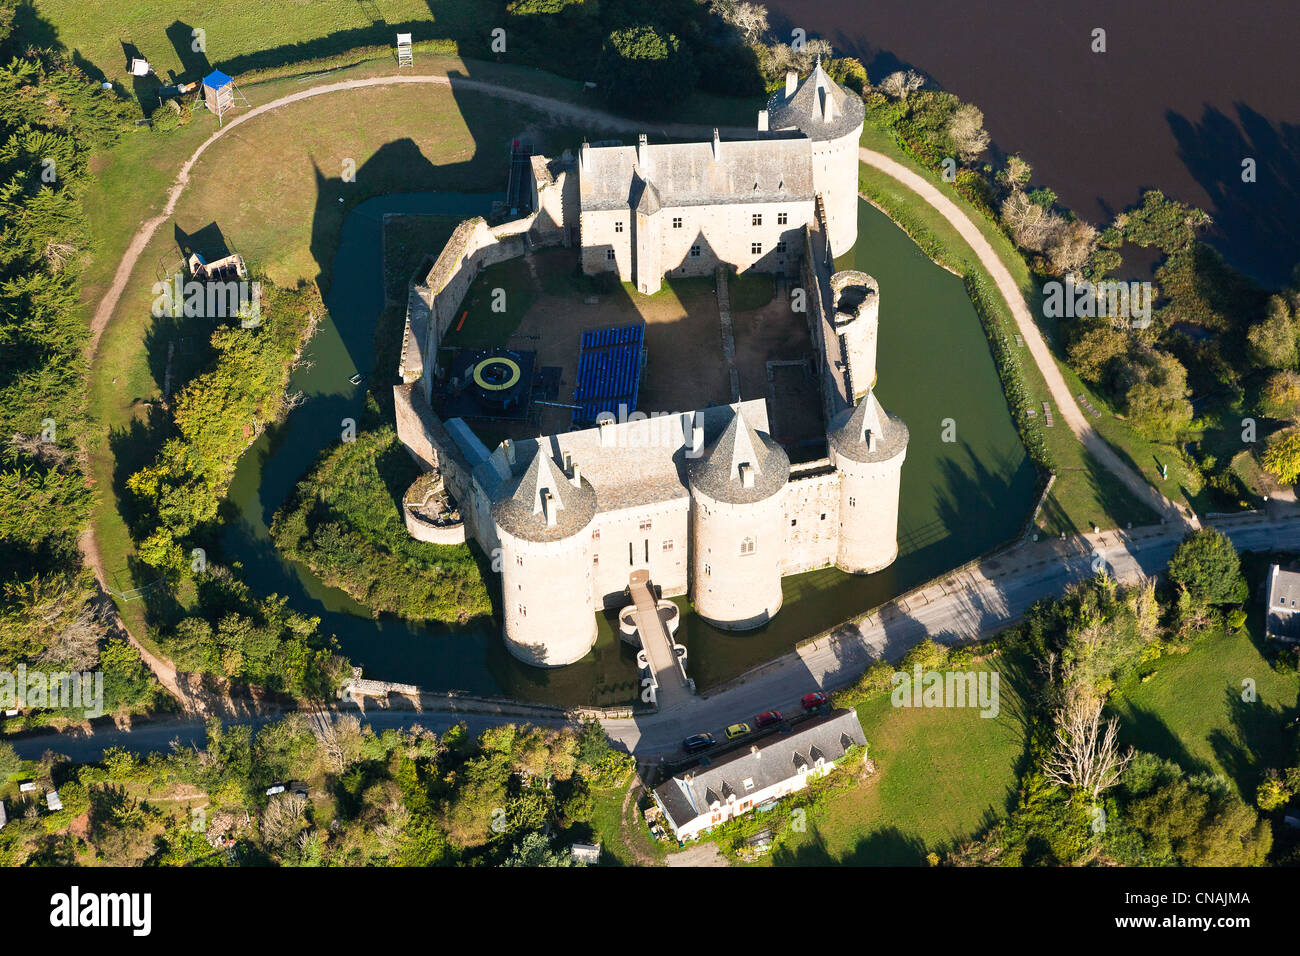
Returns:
(645,71)
(1207,567)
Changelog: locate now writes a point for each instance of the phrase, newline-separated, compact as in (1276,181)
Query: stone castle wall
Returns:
(812,518)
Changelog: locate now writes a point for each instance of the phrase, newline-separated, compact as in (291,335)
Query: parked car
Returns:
(737,730)
(767,718)
(813,701)
(697,742)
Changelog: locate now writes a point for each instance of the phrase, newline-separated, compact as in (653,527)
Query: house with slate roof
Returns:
(683,209)
(697,800)
(1282,620)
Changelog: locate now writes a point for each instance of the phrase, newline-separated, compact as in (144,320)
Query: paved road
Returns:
(970,605)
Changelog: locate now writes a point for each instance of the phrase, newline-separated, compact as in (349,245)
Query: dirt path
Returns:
(1038,349)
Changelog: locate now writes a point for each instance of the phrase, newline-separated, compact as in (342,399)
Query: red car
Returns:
(812,701)
(767,718)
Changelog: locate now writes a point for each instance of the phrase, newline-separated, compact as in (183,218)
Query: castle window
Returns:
(793,522)
(695,252)
(823,516)
(780,246)
(758,219)
(677,222)
(707,570)
(853,502)
(595,560)
(645,524)
(519,560)
(747,546)
(756,248)
(668,545)
(523,611)
(609,255)
(782,218)
(618,226)
(595,535)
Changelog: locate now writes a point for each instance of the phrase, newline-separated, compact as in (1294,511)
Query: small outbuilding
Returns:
(1282,618)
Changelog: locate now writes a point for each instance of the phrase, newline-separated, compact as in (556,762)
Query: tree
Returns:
(1093,351)
(645,71)
(1200,822)
(1207,567)
(1280,397)
(1282,456)
(1085,751)
(1016,174)
(1069,245)
(1157,401)
(966,129)
(901,85)
(1273,340)
(534,849)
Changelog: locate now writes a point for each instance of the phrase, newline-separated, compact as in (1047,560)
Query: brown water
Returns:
(1183,94)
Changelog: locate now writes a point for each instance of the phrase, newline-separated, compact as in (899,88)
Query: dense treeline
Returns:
(1082,798)
(515,796)
(52,116)
(343,521)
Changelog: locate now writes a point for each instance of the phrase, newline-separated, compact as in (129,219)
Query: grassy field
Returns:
(1083,493)
(1191,710)
(941,776)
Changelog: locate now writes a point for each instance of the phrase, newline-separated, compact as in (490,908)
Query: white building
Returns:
(1282,619)
(706,796)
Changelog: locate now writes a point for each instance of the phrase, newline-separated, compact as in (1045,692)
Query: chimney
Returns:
(584,156)
(605,422)
(791,83)
(576,475)
(697,440)
(548,507)
(762,121)
(717,145)
(510,450)
(746,475)
(568,461)
(643,154)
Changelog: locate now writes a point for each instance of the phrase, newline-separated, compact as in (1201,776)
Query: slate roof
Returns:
(1283,603)
(805,109)
(638,462)
(521,512)
(688,795)
(686,174)
(848,431)
(717,472)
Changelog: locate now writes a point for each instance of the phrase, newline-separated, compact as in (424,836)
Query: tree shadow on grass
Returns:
(1263,737)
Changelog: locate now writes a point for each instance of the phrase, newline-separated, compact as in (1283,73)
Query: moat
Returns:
(959,498)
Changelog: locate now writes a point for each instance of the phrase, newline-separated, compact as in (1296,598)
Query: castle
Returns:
(706,501)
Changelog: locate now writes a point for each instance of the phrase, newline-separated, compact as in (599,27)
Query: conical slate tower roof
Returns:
(867,432)
(541,490)
(819,107)
(740,450)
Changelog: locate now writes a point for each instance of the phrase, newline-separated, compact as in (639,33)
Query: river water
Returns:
(1183,94)
(959,499)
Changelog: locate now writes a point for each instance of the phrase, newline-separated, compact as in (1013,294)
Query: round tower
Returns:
(856,299)
(832,118)
(543,519)
(867,448)
(738,527)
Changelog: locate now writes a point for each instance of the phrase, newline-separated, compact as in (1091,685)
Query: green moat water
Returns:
(959,499)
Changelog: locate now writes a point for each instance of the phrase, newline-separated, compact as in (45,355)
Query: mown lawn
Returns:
(1191,710)
(941,776)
